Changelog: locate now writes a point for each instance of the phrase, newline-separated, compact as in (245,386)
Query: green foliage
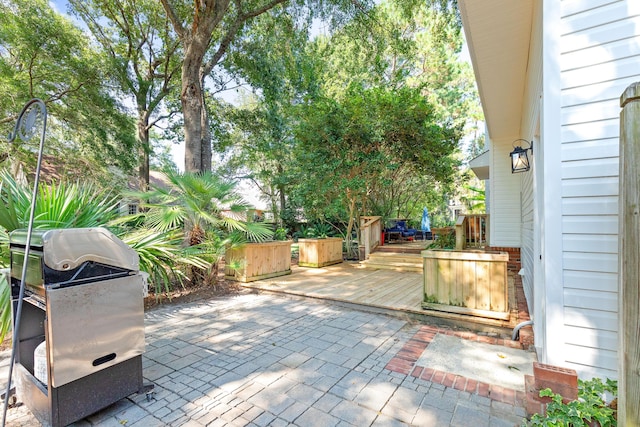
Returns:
(304,232)
(58,206)
(474,199)
(5,307)
(389,73)
(444,241)
(280,234)
(206,33)
(208,212)
(403,44)
(4,247)
(348,149)
(44,56)
(318,230)
(195,202)
(142,51)
(322,230)
(272,57)
(162,256)
(589,407)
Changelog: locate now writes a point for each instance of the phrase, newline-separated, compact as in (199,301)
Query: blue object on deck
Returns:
(400,230)
(425,225)
(401,226)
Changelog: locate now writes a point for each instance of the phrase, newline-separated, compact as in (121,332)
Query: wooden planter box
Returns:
(320,252)
(473,283)
(259,261)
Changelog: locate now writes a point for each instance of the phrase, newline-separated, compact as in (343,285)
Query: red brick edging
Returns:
(404,362)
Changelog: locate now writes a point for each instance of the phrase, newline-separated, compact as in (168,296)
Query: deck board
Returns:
(351,283)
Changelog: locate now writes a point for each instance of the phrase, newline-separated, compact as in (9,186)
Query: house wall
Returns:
(531,131)
(599,53)
(504,196)
(527,233)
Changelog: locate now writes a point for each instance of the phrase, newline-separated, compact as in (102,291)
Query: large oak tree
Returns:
(142,48)
(206,28)
(43,55)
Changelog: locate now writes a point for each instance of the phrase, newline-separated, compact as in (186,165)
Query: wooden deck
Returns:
(382,289)
(350,282)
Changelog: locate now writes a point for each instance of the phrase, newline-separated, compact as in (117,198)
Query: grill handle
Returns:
(104,359)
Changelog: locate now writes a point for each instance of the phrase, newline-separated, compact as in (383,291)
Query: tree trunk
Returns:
(347,238)
(205,140)
(191,99)
(144,149)
(274,204)
(208,15)
(282,195)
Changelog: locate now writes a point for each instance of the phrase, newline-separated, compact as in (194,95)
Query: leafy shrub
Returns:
(319,230)
(280,234)
(322,230)
(444,241)
(590,408)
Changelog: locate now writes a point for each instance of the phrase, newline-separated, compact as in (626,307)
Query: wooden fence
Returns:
(472,231)
(472,283)
(629,250)
(370,233)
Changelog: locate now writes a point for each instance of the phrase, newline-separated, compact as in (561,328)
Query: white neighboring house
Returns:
(552,72)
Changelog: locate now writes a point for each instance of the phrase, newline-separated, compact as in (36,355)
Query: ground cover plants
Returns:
(596,406)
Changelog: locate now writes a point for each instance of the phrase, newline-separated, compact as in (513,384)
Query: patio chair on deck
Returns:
(406,233)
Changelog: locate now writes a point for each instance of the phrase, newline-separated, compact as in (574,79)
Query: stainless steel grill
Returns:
(84,299)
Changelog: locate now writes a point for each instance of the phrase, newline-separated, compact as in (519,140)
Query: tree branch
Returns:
(177,25)
(233,30)
(162,117)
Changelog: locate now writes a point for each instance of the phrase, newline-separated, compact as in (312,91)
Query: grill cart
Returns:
(81,335)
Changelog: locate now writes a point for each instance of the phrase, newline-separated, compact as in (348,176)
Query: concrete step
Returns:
(394,261)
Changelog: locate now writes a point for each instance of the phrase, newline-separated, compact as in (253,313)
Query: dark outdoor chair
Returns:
(404,230)
(401,227)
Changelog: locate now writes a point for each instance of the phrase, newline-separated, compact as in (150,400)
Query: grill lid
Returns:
(67,249)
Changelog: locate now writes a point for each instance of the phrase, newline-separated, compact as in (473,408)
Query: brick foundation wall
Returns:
(562,381)
(514,265)
(526,333)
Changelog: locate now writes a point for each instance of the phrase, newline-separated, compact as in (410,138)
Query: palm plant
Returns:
(58,206)
(208,210)
(5,307)
(80,206)
(161,256)
(474,200)
(61,206)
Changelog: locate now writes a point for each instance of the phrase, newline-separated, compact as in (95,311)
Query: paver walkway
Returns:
(272,360)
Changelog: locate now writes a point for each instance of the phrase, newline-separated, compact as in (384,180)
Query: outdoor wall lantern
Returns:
(519,158)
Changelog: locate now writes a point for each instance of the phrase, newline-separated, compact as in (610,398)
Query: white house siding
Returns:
(526,250)
(505,219)
(530,131)
(600,53)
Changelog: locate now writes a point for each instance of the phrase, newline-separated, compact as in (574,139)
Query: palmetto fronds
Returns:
(161,255)
(198,203)
(58,206)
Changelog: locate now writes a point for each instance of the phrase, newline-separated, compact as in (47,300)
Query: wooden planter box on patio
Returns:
(259,261)
(465,282)
(320,252)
